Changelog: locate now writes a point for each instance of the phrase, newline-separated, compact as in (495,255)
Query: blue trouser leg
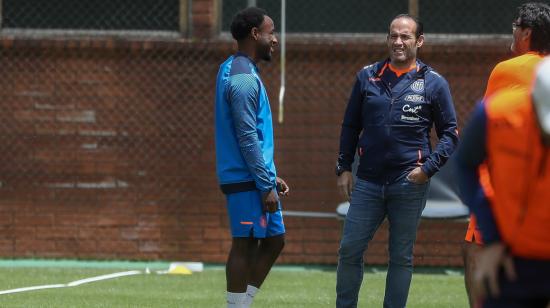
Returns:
(405,202)
(365,214)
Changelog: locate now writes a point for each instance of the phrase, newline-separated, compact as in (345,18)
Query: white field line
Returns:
(72,284)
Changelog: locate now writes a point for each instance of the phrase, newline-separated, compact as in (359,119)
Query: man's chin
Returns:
(399,60)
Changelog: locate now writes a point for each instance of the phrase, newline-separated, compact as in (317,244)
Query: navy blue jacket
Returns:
(390,127)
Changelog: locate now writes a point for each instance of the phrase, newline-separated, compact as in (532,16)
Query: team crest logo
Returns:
(418,86)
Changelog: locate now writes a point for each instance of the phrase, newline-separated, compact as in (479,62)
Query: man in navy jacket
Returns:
(390,113)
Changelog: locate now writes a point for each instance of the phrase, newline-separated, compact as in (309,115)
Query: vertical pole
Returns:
(1,10)
(216,17)
(413,8)
(184,20)
(252,3)
(283,60)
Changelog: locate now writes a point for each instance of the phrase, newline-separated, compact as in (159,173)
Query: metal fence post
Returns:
(413,8)
(185,18)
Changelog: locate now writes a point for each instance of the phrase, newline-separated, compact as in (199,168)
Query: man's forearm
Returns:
(254,159)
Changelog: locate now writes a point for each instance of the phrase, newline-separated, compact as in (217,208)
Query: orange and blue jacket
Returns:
(514,73)
(504,132)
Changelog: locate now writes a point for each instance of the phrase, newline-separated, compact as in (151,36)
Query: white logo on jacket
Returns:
(412,112)
(418,86)
(414,98)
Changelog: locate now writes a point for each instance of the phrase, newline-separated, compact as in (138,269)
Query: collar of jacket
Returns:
(419,73)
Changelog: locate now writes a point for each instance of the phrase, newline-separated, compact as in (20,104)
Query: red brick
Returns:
(56,232)
(6,218)
(66,245)
(216,234)
(88,246)
(320,248)
(32,245)
(28,219)
(149,247)
(116,220)
(118,246)
(6,246)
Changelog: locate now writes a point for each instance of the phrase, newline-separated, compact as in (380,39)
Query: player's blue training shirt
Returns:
(388,121)
(244,128)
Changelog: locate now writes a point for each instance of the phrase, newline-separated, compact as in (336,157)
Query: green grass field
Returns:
(285,287)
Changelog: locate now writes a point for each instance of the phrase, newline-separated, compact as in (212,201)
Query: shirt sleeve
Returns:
(445,126)
(470,155)
(244,95)
(351,127)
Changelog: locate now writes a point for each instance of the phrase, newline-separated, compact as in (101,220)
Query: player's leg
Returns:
(366,213)
(238,262)
(470,249)
(269,229)
(469,252)
(268,251)
(243,246)
(405,202)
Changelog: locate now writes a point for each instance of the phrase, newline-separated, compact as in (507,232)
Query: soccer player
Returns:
(244,158)
(392,108)
(531,38)
(511,131)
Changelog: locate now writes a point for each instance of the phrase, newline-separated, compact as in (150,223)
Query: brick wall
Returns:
(108,146)
(204,20)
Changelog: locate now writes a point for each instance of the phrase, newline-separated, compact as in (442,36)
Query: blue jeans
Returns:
(402,202)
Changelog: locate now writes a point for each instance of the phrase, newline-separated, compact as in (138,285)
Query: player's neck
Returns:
(248,50)
(403,66)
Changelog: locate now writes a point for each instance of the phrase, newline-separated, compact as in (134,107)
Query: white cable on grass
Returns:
(71,284)
(102,277)
(51,286)
(190,266)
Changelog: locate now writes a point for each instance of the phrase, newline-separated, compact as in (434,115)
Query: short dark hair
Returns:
(245,20)
(419,24)
(536,16)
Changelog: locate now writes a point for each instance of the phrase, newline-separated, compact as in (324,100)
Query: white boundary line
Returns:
(73,283)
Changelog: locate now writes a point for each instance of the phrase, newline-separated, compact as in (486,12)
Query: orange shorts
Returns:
(473,235)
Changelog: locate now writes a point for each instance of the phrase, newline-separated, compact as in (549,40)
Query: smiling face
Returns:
(403,43)
(265,39)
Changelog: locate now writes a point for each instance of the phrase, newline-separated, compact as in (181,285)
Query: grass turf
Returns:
(283,288)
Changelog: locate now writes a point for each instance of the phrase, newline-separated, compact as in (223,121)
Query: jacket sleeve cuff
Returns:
(266,188)
(343,163)
(428,169)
